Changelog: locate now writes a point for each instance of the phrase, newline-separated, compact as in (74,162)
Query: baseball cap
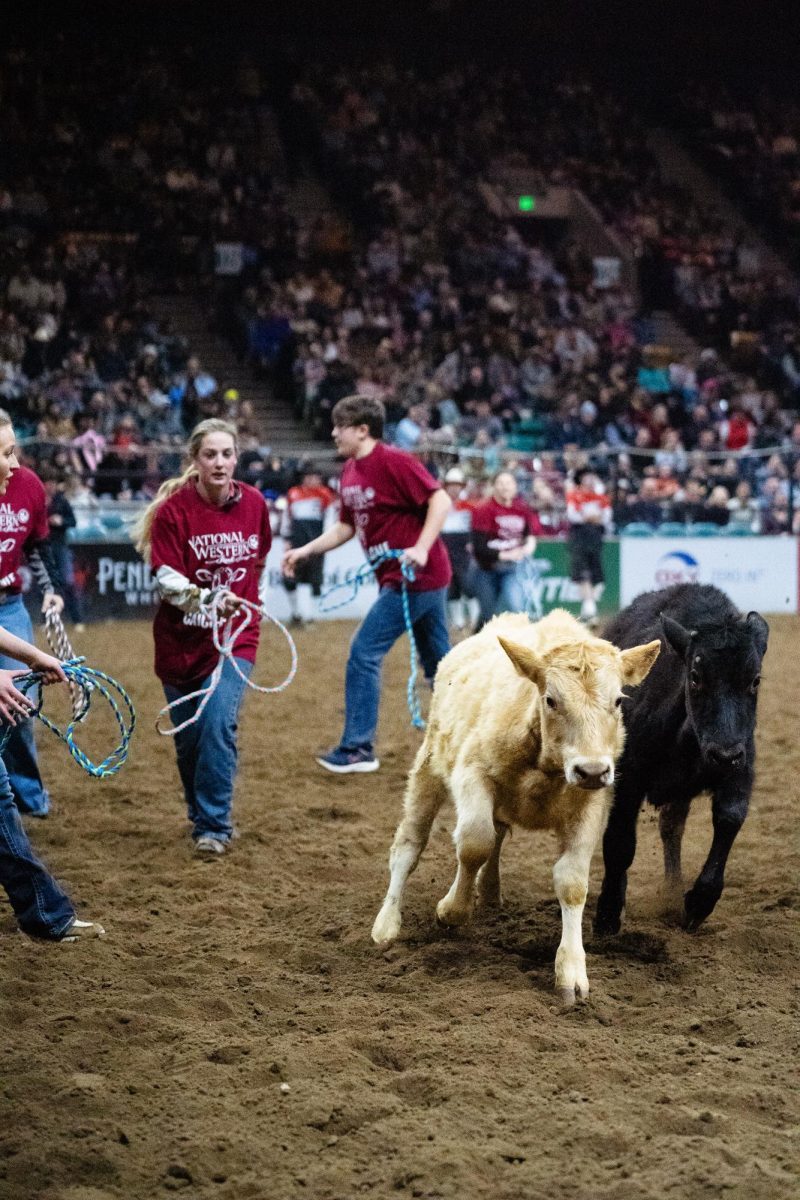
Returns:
(455,475)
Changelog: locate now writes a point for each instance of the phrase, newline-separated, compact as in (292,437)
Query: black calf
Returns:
(689,730)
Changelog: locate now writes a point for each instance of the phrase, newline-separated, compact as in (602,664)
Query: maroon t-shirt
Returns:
(385,498)
(507,526)
(213,547)
(23,519)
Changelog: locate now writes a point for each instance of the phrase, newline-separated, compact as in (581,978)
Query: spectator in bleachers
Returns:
(644,506)
(716,509)
(744,509)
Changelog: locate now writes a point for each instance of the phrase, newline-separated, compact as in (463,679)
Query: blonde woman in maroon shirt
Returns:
(205,534)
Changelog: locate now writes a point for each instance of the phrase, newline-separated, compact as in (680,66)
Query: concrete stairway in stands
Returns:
(667,331)
(282,432)
(678,166)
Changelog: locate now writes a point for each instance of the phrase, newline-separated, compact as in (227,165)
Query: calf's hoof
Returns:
(449,916)
(698,903)
(387,926)
(572,982)
(568,995)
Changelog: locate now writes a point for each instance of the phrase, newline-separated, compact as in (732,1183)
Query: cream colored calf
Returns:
(524,729)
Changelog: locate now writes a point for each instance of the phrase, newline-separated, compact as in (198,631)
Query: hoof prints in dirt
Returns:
(533,954)
(332,813)
(638,947)
(445,1069)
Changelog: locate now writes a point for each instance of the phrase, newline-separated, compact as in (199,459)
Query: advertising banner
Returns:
(114,583)
(554,589)
(338,563)
(756,572)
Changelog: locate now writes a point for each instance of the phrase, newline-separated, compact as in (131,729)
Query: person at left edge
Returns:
(205,533)
(24,533)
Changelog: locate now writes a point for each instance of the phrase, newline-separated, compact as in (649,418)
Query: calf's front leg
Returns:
(474,838)
(571,881)
(729,807)
(425,794)
(619,848)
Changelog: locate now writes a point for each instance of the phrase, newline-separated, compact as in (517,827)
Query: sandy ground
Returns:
(237,1036)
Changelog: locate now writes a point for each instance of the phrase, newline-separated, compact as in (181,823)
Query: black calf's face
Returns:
(723,672)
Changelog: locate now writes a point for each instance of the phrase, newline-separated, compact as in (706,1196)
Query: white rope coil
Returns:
(225,636)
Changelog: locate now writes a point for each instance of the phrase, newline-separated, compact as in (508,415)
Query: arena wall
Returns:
(757,573)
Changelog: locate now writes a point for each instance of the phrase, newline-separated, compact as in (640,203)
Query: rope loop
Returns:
(225,632)
(87,680)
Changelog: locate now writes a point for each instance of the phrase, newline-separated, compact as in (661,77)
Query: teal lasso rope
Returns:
(353,581)
(89,680)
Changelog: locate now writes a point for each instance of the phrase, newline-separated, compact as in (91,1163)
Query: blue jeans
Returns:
(207,752)
(20,749)
(499,590)
(41,907)
(374,638)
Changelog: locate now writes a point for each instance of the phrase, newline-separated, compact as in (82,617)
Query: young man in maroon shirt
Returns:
(391,502)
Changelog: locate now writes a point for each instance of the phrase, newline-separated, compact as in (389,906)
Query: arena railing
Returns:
(101,517)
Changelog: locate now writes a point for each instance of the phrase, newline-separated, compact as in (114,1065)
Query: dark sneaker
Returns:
(349,762)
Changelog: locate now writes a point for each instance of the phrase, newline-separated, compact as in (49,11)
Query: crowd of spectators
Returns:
(753,140)
(483,339)
(115,176)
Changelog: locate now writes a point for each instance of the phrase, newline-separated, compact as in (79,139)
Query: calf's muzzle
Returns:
(730,757)
(591,774)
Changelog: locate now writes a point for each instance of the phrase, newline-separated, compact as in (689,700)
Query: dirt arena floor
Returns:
(237,1036)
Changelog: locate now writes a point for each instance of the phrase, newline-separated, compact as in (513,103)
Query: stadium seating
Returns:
(704,529)
(637,529)
(673,529)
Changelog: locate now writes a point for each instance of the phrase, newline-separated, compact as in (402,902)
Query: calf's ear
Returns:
(526,662)
(760,631)
(679,639)
(637,661)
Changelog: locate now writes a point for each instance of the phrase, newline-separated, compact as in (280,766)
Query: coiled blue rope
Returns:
(89,680)
(353,581)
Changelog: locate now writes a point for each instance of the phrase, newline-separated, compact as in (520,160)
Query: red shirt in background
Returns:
(385,498)
(23,519)
(583,504)
(309,503)
(507,526)
(213,547)
(738,433)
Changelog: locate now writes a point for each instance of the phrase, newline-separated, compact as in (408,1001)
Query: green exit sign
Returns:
(526,203)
